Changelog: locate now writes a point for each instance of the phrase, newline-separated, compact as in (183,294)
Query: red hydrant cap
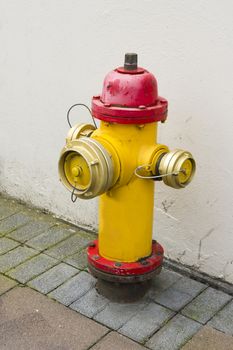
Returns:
(130,96)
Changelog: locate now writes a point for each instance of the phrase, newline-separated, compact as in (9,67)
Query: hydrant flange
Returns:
(123,271)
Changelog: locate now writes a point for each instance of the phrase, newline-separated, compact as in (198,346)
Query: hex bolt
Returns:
(91,245)
(159,253)
(118,264)
(144,262)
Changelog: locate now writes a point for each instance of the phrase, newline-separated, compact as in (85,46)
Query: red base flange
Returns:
(140,267)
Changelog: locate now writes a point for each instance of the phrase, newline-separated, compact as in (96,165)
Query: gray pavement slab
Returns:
(7,244)
(174,334)
(179,294)
(223,320)
(90,303)
(115,315)
(51,237)
(8,207)
(208,338)
(206,305)
(74,288)
(78,260)
(163,281)
(15,257)
(31,268)
(173,299)
(31,321)
(30,230)
(116,341)
(6,284)
(12,222)
(141,326)
(70,246)
(53,278)
(189,286)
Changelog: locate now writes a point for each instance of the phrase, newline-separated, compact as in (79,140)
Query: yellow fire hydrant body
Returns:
(126,210)
(120,161)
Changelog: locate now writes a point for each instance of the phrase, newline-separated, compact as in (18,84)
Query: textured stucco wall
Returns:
(55,53)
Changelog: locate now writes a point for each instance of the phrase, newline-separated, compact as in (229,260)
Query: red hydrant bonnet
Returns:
(130,96)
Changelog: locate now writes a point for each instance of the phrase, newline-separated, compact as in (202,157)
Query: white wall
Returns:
(54,53)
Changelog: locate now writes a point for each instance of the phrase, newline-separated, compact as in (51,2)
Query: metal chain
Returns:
(83,105)
(176,173)
(73,196)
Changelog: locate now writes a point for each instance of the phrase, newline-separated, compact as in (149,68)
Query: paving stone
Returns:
(30,230)
(6,212)
(208,338)
(223,320)
(78,260)
(6,284)
(206,305)
(15,257)
(50,237)
(163,281)
(115,315)
(190,286)
(146,322)
(173,299)
(74,288)
(90,304)
(116,341)
(53,278)
(31,321)
(69,246)
(174,334)
(12,222)
(8,208)
(31,268)
(7,244)
(180,293)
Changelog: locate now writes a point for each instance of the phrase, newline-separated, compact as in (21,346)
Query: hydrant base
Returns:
(124,282)
(123,279)
(123,289)
(127,269)
(122,293)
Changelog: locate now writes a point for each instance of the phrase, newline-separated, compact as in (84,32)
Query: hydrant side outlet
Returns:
(120,162)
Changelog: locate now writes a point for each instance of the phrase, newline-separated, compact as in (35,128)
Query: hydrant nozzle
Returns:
(120,161)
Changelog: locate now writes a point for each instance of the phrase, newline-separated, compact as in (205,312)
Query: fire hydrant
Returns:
(120,162)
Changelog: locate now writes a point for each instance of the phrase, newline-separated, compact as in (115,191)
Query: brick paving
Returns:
(29,321)
(59,307)
(208,338)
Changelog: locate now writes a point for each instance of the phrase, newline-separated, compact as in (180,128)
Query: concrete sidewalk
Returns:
(48,299)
